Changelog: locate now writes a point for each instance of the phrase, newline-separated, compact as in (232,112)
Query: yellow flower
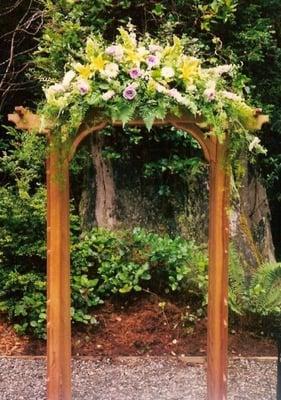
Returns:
(134,57)
(171,54)
(190,68)
(129,40)
(98,63)
(83,70)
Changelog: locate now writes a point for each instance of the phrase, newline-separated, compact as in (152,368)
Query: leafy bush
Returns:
(255,297)
(115,263)
(125,261)
(23,298)
(103,263)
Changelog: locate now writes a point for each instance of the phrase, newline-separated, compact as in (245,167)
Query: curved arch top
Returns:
(188,124)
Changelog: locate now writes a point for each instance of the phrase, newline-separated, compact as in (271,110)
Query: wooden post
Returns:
(58,281)
(218,275)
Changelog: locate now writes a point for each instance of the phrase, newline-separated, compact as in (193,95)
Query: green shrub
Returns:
(23,298)
(103,263)
(109,263)
(126,261)
(255,297)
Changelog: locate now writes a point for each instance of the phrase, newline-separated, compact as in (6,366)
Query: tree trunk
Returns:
(105,202)
(250,223)
(87,201)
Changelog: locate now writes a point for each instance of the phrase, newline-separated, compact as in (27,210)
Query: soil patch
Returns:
(142,325)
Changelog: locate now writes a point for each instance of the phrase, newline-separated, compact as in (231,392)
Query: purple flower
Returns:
(152,60)
(135,73)
(83,86)
(129,92)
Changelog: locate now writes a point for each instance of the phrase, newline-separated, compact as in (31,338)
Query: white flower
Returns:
(161,89)
(153,48)
(191,88)
(231,95)
(53,90)
(176,95)
(116,51)
(142,51)
(133,37)
(167,72)
(210,94)
(68,77)
(111,70)
(222,69)
(255,143)
(57,88)
(108,95)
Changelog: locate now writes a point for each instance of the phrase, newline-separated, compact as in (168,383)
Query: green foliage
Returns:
(232,31)
(22,206)
(246,33)
(174,165)
(126,261)
(258,294)
(104,264)
(23,298)
(218,11)
(265,290)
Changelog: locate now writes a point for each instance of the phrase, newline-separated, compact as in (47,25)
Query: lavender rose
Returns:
(135,73)
(129,92)
(152,61)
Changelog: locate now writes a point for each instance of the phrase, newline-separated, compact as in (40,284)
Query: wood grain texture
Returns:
(218,276)
(58,281)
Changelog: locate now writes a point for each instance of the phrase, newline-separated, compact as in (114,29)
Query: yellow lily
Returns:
(83,70)
(98,63)
(190,68)
(133,57)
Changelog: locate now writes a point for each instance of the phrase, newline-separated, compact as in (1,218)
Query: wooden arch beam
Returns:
(58,251)
(187,124)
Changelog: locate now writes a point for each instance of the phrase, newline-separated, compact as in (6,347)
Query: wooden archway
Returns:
(58,253)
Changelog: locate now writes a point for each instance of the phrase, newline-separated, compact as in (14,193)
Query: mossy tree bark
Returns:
(105,199)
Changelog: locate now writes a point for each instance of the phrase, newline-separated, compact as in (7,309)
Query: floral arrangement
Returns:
(143,79)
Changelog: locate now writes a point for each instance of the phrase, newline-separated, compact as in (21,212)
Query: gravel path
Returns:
(137,379)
